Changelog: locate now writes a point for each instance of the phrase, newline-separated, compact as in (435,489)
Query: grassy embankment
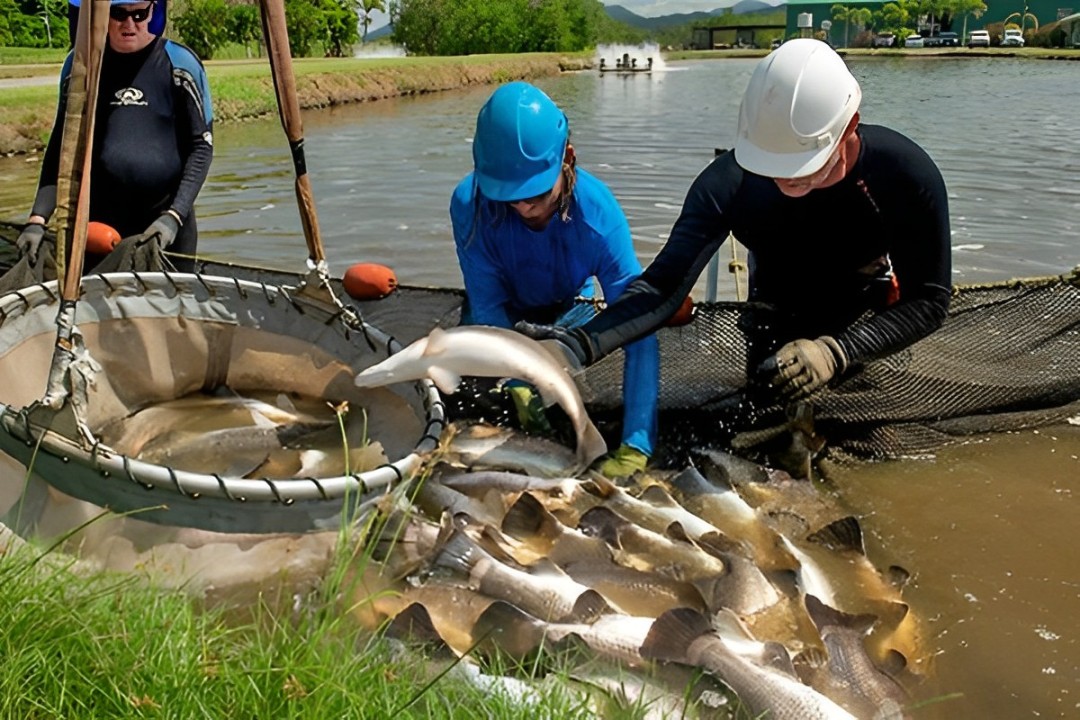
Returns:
(78,644)
(243,89)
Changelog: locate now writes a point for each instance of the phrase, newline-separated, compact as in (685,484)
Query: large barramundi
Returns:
(849,676)
(686,636)
(546,592)
(444,356)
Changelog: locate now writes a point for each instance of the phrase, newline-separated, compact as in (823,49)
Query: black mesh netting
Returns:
(1007,358)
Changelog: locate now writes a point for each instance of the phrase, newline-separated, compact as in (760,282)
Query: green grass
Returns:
(31,56)
(78,645)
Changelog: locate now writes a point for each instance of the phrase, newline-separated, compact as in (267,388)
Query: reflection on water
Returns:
(986,528)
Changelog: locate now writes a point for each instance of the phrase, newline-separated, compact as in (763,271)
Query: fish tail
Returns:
(414,623)
(825,616)
(691,483)
(842,534)
(672,633)
(589,606)
(459,555)
(510,628)
(590,444)
(603,523)
(527,516)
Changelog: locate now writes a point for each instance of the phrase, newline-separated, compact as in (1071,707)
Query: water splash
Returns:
(616,51)
(379,51)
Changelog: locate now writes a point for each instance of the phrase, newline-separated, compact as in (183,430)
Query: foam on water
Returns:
(641,53)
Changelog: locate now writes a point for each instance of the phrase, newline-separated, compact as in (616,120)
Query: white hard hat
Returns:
(800,100)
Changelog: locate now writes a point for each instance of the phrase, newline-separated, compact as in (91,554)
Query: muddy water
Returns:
(986,528)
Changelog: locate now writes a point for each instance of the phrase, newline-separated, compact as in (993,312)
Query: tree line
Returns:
(333,27)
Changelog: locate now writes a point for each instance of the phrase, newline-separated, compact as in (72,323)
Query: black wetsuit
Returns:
(821,260)
(153,140)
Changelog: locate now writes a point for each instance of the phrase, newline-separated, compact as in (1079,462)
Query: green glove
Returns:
(804,366)
(530,410)
(624,462)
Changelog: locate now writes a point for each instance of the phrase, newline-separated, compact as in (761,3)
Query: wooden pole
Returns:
(277,47)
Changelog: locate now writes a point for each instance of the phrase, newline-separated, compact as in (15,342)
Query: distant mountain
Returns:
(385,30)
(620,13)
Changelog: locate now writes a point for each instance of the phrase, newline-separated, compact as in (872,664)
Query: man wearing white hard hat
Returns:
(847,226)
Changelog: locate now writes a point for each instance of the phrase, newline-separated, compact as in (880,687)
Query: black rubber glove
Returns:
(29,241)
(574,341)
(805,366)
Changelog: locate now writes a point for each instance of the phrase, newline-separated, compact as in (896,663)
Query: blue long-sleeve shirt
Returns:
(513,272)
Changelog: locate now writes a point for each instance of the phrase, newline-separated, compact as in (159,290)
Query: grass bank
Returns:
(244,88)
(87,645)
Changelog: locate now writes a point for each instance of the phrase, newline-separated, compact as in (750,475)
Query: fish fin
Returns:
(676,531)
(842,534)
(458,555)
(544,567)
(824,616)
(414,623)
(589,606)
(731,470)
(528,516)
(658,497)
(260,419)
(775,656)
(435,342)
(718,544)
(787,523)
(603,523)
(672,633)
(897,576)
(728,624)
(590,444)
(603,487)
(691,482)
(894,663)
(892,613)
(446,380)
(509,628)
(809,663)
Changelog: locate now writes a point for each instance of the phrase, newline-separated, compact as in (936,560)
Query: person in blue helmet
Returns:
(153,136)
(532,232)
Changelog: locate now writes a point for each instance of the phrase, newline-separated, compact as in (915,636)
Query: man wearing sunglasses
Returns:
(532,231)
(847,226)
(153,139)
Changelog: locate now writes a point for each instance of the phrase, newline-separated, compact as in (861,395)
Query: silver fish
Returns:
(850,677)
(545,592)
(765,687)
(445,356)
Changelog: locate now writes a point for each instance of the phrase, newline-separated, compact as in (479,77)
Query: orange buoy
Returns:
(369,281)
(101,238)
(683,315)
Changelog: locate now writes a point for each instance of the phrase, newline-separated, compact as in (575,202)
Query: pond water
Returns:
(985,527)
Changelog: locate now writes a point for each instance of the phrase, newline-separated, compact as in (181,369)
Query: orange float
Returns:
(683,315)
(101,238)
(369,281)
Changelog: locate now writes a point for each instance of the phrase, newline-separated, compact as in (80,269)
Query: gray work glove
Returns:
(573,342)
(804,366)
(29,241)
(164,229)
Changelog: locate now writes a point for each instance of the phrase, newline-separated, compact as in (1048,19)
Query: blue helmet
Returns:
(520,142)
(157,19)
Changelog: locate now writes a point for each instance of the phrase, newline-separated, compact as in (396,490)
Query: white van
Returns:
(1013,38)
(978,38)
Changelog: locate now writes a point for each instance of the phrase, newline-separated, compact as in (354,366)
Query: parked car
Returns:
(1013,38)
(948,39)
(914,41)
(978,38)
(884,39)
(776,42)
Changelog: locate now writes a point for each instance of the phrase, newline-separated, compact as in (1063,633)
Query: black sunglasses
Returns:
(119,14)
